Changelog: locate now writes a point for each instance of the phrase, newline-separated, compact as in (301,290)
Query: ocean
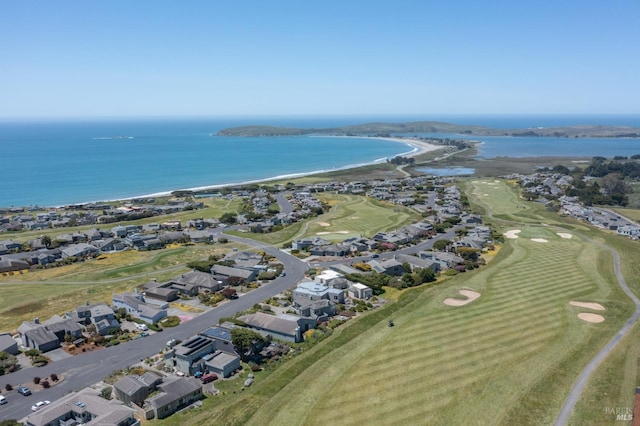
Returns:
(60,162)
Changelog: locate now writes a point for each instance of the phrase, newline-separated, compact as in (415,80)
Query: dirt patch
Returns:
(593,318)
(323,224)
(513,234)
(25,309)
(539,240)
(588,305)
(564,235)
(470,297)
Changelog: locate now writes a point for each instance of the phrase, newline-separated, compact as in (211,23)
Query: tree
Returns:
(230,293)
(426,275)
(46,241)
(106,392)
(32,353)
(613,184)
(441,245)
(228,218)
(246,341)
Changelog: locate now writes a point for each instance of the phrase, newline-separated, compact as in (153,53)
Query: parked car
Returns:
(3,400)
(142,327)
(38,405)
(23,390)
(209,377)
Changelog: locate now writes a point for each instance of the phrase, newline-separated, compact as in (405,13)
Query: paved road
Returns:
(86,369)
(583,378)
(285,206)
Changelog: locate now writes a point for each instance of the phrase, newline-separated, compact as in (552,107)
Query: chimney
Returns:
(36,320)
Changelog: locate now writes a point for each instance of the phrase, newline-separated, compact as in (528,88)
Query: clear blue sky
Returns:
(159,58)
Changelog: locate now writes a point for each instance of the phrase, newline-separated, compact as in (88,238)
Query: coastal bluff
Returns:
(581,131)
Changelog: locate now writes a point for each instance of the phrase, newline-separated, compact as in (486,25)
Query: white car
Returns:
(142,327)
(38,405)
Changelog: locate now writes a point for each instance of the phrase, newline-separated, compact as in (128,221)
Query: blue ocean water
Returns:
(57,162)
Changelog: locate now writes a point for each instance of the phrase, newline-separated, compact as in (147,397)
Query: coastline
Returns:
(418,147)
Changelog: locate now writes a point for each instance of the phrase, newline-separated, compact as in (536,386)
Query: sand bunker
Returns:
(539,240)
(323,224)
(594,318)
(322,233)
(564,235)
(470,297)
(513,234)
(342,232)
(588,305)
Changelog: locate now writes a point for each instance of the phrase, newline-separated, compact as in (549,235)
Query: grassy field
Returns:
(59,290)
(509,357)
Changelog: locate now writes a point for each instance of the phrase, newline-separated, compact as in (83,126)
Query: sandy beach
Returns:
(419,146)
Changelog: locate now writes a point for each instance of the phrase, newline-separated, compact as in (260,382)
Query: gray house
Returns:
(135,389)
(8,344)
(226,271)
(285,327)
(175,393)
(48,336)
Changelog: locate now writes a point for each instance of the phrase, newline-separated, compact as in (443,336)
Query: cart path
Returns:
(585,375)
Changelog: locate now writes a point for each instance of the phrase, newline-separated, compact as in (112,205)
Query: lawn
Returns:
(510,357)
(59,290)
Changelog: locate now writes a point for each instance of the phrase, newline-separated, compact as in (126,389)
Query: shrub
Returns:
(45,384)
(36,380)
(8,387)
(170,321)
(54,377)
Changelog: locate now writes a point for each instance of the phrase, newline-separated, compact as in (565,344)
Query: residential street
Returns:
(84,370)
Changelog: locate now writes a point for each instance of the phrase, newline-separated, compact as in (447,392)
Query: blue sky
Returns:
(166,58)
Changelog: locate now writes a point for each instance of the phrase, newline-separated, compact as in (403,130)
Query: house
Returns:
(388,266)
(227,271)
(8,344)
(134,389)
(444,259)
(79,250)
(175,393)
(222,363)
(285,327)
(80,408)
(360,291)
(159,291)
(135,305)
(100,315)
(111,245)
(198,282)
(305,243)
(49,335)
(310,291)
(320,310)
(185,356)
(10,265)
(417,262)
(221,334)
(246,260)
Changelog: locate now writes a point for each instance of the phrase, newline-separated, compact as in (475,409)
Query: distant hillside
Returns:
(585,131)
